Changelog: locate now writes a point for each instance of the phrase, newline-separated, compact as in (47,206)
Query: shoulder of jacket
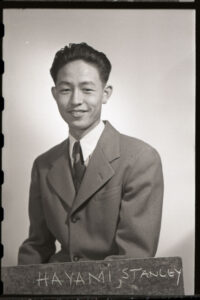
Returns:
(51,154)
(135,147)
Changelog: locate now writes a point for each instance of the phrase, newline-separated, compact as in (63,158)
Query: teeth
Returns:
(77,113)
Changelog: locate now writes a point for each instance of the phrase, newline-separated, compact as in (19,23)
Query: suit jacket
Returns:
(115,214)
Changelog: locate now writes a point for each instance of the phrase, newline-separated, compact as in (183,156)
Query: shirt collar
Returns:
(88,142)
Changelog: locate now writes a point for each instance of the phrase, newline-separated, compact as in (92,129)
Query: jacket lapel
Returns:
(99,170)
(60,178)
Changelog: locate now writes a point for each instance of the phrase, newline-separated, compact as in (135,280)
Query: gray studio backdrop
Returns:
(153,58)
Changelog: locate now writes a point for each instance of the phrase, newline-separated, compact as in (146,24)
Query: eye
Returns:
(65,91)
(87,90)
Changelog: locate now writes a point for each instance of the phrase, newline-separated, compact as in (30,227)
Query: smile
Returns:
(77,113)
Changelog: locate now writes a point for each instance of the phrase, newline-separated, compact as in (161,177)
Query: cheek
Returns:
(95,104)
(98,108)
(62,103)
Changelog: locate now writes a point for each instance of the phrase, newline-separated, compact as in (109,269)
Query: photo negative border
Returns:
(115,5)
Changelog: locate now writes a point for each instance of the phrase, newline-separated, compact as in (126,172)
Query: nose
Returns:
(76,97)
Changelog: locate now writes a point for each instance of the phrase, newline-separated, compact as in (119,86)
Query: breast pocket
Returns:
(107,194)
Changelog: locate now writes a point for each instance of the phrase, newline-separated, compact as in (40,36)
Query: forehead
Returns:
(78,70)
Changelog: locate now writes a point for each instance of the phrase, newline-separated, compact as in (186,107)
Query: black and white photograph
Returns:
(104,0)
(99,151)
(137,1)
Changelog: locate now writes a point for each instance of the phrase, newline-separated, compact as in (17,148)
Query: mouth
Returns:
(77,113)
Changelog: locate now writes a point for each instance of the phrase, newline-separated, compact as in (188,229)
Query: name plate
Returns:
(150,276)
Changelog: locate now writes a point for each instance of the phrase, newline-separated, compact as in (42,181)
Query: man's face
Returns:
(79,93)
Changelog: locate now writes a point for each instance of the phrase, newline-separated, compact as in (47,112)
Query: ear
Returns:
(107,93)
(54,92)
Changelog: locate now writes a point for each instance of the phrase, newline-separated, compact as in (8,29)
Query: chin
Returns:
(79,126)
(82,126)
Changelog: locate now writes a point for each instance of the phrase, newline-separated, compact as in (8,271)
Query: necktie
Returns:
(78,167)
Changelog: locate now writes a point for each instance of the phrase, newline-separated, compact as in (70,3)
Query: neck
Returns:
(79,134)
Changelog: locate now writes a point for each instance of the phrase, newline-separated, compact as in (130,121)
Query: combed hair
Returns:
(84,52)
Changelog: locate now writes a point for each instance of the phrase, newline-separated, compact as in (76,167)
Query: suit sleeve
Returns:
(40,245)
(139,224)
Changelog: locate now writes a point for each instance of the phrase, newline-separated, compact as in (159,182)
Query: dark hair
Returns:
(84,52)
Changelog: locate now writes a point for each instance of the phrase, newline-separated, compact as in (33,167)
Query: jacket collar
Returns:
(98,172)
(59,175)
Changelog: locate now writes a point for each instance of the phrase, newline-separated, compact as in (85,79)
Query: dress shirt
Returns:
(88,143)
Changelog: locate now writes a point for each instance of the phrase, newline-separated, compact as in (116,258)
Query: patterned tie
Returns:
(78,167)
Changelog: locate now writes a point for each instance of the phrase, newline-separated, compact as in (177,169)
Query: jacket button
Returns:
(75,219)
(76,258)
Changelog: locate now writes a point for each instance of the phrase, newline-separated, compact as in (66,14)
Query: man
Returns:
(99,193)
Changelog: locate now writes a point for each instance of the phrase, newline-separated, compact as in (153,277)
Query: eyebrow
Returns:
(64,82)
(87,82)
(81,83)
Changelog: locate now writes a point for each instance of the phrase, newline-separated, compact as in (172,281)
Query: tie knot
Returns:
(77,153)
